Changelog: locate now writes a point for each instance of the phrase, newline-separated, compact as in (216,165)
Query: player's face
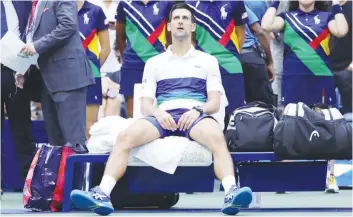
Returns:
(181,24)
(306,3)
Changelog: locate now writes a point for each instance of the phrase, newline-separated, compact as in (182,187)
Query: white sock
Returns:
(227,183)
(107,184)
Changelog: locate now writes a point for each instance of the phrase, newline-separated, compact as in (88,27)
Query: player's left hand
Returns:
(187,119)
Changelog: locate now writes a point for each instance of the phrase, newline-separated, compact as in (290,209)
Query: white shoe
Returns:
(332,185)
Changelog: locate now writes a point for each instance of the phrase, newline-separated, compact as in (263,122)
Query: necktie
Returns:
(33,11)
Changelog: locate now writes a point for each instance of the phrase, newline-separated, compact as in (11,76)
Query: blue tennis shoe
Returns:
(94,200)
(235,199)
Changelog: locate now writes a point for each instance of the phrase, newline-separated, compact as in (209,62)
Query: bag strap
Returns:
(330,113)
(327,112)
(258,112)
(258,104)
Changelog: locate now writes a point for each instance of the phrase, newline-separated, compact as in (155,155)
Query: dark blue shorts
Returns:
(176,114)
(128,79)
(94,93)
(308,89)
(233,85)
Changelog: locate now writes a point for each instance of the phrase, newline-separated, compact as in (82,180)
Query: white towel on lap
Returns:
(163,154)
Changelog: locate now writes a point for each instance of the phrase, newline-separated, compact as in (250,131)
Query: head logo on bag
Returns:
(314,133)
(307,133)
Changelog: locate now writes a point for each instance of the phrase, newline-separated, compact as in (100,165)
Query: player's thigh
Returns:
(140,132)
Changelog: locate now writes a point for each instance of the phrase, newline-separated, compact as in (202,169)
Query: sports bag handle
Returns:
(258,104)
(297,109)
(330,113)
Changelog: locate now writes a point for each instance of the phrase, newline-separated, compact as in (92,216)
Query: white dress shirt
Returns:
(11,18)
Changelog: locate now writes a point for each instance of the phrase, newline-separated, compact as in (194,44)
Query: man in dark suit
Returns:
(52,32)
(14,16)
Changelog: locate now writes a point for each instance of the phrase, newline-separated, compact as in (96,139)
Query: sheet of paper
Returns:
(11,55)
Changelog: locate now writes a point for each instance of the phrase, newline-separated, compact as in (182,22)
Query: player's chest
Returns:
(180,68)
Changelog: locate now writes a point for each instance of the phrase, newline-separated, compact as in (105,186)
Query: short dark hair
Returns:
(319,5)
(182,6)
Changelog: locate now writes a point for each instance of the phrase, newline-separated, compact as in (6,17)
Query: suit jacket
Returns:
(62,61)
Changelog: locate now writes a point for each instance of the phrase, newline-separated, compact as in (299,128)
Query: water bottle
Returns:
(256,200)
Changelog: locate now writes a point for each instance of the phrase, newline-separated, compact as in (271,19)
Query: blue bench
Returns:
(263,172)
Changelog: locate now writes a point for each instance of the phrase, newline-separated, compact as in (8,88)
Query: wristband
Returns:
(336,9)
(199,109)
(275,4)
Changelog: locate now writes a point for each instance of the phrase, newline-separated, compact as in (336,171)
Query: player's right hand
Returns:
(166,120)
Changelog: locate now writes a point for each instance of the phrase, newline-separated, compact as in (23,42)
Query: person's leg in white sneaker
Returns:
(208,133)
(97,199)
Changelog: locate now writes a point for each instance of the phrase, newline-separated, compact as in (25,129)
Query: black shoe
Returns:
(77,148)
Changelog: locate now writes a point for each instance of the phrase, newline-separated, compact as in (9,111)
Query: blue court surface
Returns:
(209,204)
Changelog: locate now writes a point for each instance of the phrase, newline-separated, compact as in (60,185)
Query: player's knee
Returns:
(125,140)
(215,139)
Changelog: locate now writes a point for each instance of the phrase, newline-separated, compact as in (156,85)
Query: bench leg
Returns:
(68,185)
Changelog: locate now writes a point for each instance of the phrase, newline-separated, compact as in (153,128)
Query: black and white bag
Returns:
(304,133)
(250,128)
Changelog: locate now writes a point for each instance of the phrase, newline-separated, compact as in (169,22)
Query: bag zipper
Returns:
(253,115)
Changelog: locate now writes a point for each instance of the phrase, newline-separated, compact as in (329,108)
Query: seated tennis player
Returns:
(188,89)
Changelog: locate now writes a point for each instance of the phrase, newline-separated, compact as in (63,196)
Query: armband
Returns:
(336,9)
(275,4)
